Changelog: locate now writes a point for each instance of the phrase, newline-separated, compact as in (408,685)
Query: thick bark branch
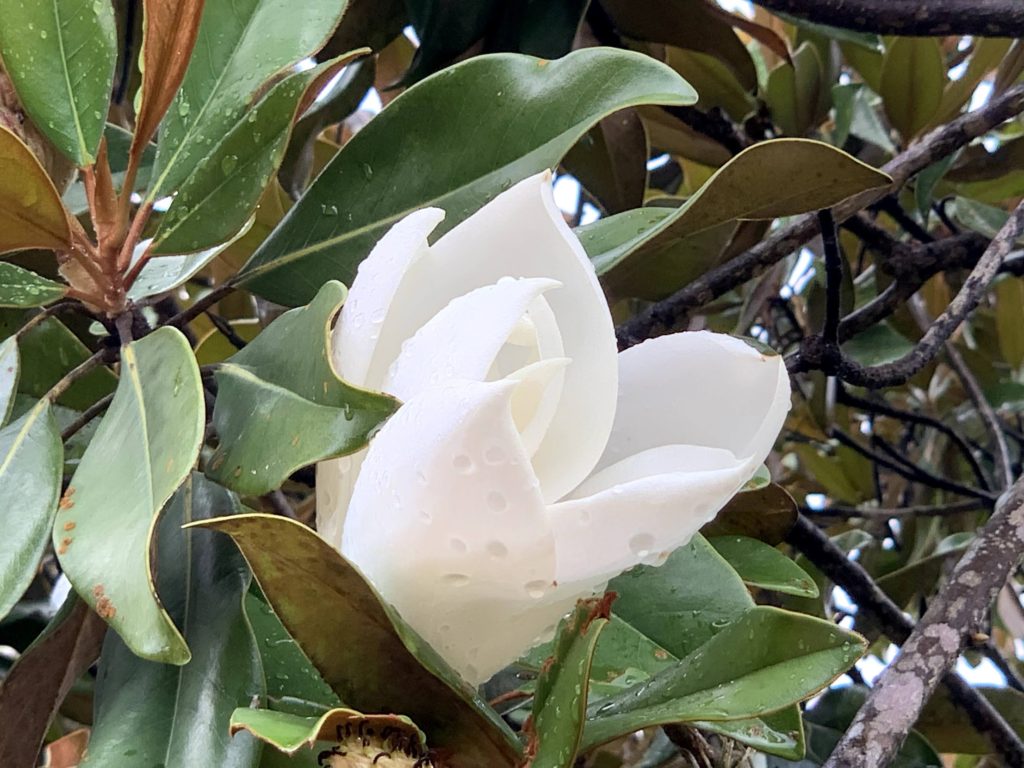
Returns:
(958,611)
(921,18)
(887,616)
(664,315)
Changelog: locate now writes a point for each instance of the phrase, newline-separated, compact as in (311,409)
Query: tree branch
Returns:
(815,353)
(921,18)
(876,605)
(667,313)
(958,611)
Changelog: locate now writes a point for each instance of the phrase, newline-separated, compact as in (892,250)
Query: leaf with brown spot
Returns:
(372,660)
(168,36)
(41,678)
(31,213)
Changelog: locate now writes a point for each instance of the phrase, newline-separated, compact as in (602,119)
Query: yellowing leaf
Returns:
(31,213)
(912,80)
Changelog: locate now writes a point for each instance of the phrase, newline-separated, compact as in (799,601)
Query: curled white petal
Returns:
(698,388)
(463,339)
(448,522)
(365,314)
(640,509)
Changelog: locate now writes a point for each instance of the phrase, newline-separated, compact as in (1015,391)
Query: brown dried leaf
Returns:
(169,34)
(41,678)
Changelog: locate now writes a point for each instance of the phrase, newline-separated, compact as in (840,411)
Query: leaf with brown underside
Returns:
(31,213)
(67,751)
(99,188)
(42,677)
(169,34)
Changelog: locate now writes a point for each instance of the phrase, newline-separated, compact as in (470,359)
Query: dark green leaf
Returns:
(560,700)
(731,677)
(60,56)
(148,713)
(21,288)
(144,448)
(760,565)
(31,462)
(218,196)
(913,77)
(281,406)
(766,514)
(524,118)
(239,47)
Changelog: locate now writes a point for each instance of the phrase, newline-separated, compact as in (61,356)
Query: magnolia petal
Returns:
(335,480)
(538,390)
(523,233)
(698,388)
(640,509)
(463,339)
(448,522)
(366,310)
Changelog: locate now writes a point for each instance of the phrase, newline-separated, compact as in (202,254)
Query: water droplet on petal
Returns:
(497,549)
(458,545)
(536,589)
(641,544)
(455,579)
(463,463)
(497,501)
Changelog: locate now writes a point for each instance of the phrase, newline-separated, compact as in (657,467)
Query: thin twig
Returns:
(887,513)
(80,371)
(970,383)
(279,503)
(201,305)
(910,472)
(833,275)
(226,330)
(85,417)
(44,314)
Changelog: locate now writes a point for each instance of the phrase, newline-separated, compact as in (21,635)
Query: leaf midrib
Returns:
(86,155)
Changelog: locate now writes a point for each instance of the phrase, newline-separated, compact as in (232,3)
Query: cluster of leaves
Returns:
(178,174)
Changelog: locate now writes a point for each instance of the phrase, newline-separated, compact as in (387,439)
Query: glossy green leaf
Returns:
(779,733)
(291,733)
(446,28)
(60,56)
(10,368)
(48,351)
(560,700)
(281,406)
(522,116)
(730,678)
(21,288)
(148,440)
(164,273)
(760,565)
(623,652)
(912,81)
(919,577)
(362,649)
(793,92)
(220,194)
(31,462)
(714,81)
(148,713)
(293,684)
(240,46)
(766,514)
(818,174)
(682,604)
(878,344)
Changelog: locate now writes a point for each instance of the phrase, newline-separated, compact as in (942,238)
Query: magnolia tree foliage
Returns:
(639,384)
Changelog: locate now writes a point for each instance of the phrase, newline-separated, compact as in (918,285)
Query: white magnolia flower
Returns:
(530,463)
